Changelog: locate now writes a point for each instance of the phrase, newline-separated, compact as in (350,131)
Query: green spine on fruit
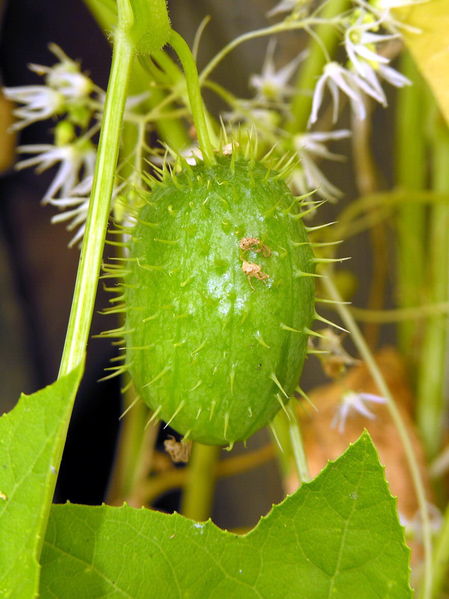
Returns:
(219,298)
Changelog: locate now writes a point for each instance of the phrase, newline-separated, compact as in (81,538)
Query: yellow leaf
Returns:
(430,47)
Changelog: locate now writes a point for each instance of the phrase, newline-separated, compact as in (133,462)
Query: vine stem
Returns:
(378,378)
(400,314)
(199,488)
(264,32)
(99,205)
(411,167)
(194,91)
(287,436)
(294,431)
(441,558)
(432,408)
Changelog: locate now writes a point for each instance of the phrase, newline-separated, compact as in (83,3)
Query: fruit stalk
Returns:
(194,91)
(199,489)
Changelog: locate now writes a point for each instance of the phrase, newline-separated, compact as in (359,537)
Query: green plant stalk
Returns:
(198,492)
(367,357)
(281,438)
(142,465)
(97,218)
(196,102)
(441,558)
(294,431)
(321,47)
(431,409)
(128,454)
(399,314)
(87,276)
(287,435)
(410,175)
(432,412)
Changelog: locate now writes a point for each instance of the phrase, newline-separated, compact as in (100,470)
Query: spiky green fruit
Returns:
(219,297)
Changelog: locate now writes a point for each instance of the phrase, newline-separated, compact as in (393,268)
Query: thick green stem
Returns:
(432,408)
(196,101)
(322,46)
(97,218)
(379,380)
(411,167)
(199,490)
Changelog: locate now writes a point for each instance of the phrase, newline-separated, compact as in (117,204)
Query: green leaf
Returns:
(31,441)
(429,45)
(337,536)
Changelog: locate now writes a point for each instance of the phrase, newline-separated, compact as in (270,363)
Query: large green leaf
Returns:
(337,536)
(429,47)
(31,440)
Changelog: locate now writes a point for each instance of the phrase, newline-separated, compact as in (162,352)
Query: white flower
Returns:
(76,160)
(309,147)
(360,43)
(354,402)
(337,78)
(40,101)
(65,76)
(271,84)
(65,87)
(78,204)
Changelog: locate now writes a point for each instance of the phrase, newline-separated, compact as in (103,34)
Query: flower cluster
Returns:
(66,91)
(69,96)
(367,64)
(76,104)
(369,32)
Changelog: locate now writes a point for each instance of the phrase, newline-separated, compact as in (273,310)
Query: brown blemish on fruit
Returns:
(252,270)
(253,243)
(248,243)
